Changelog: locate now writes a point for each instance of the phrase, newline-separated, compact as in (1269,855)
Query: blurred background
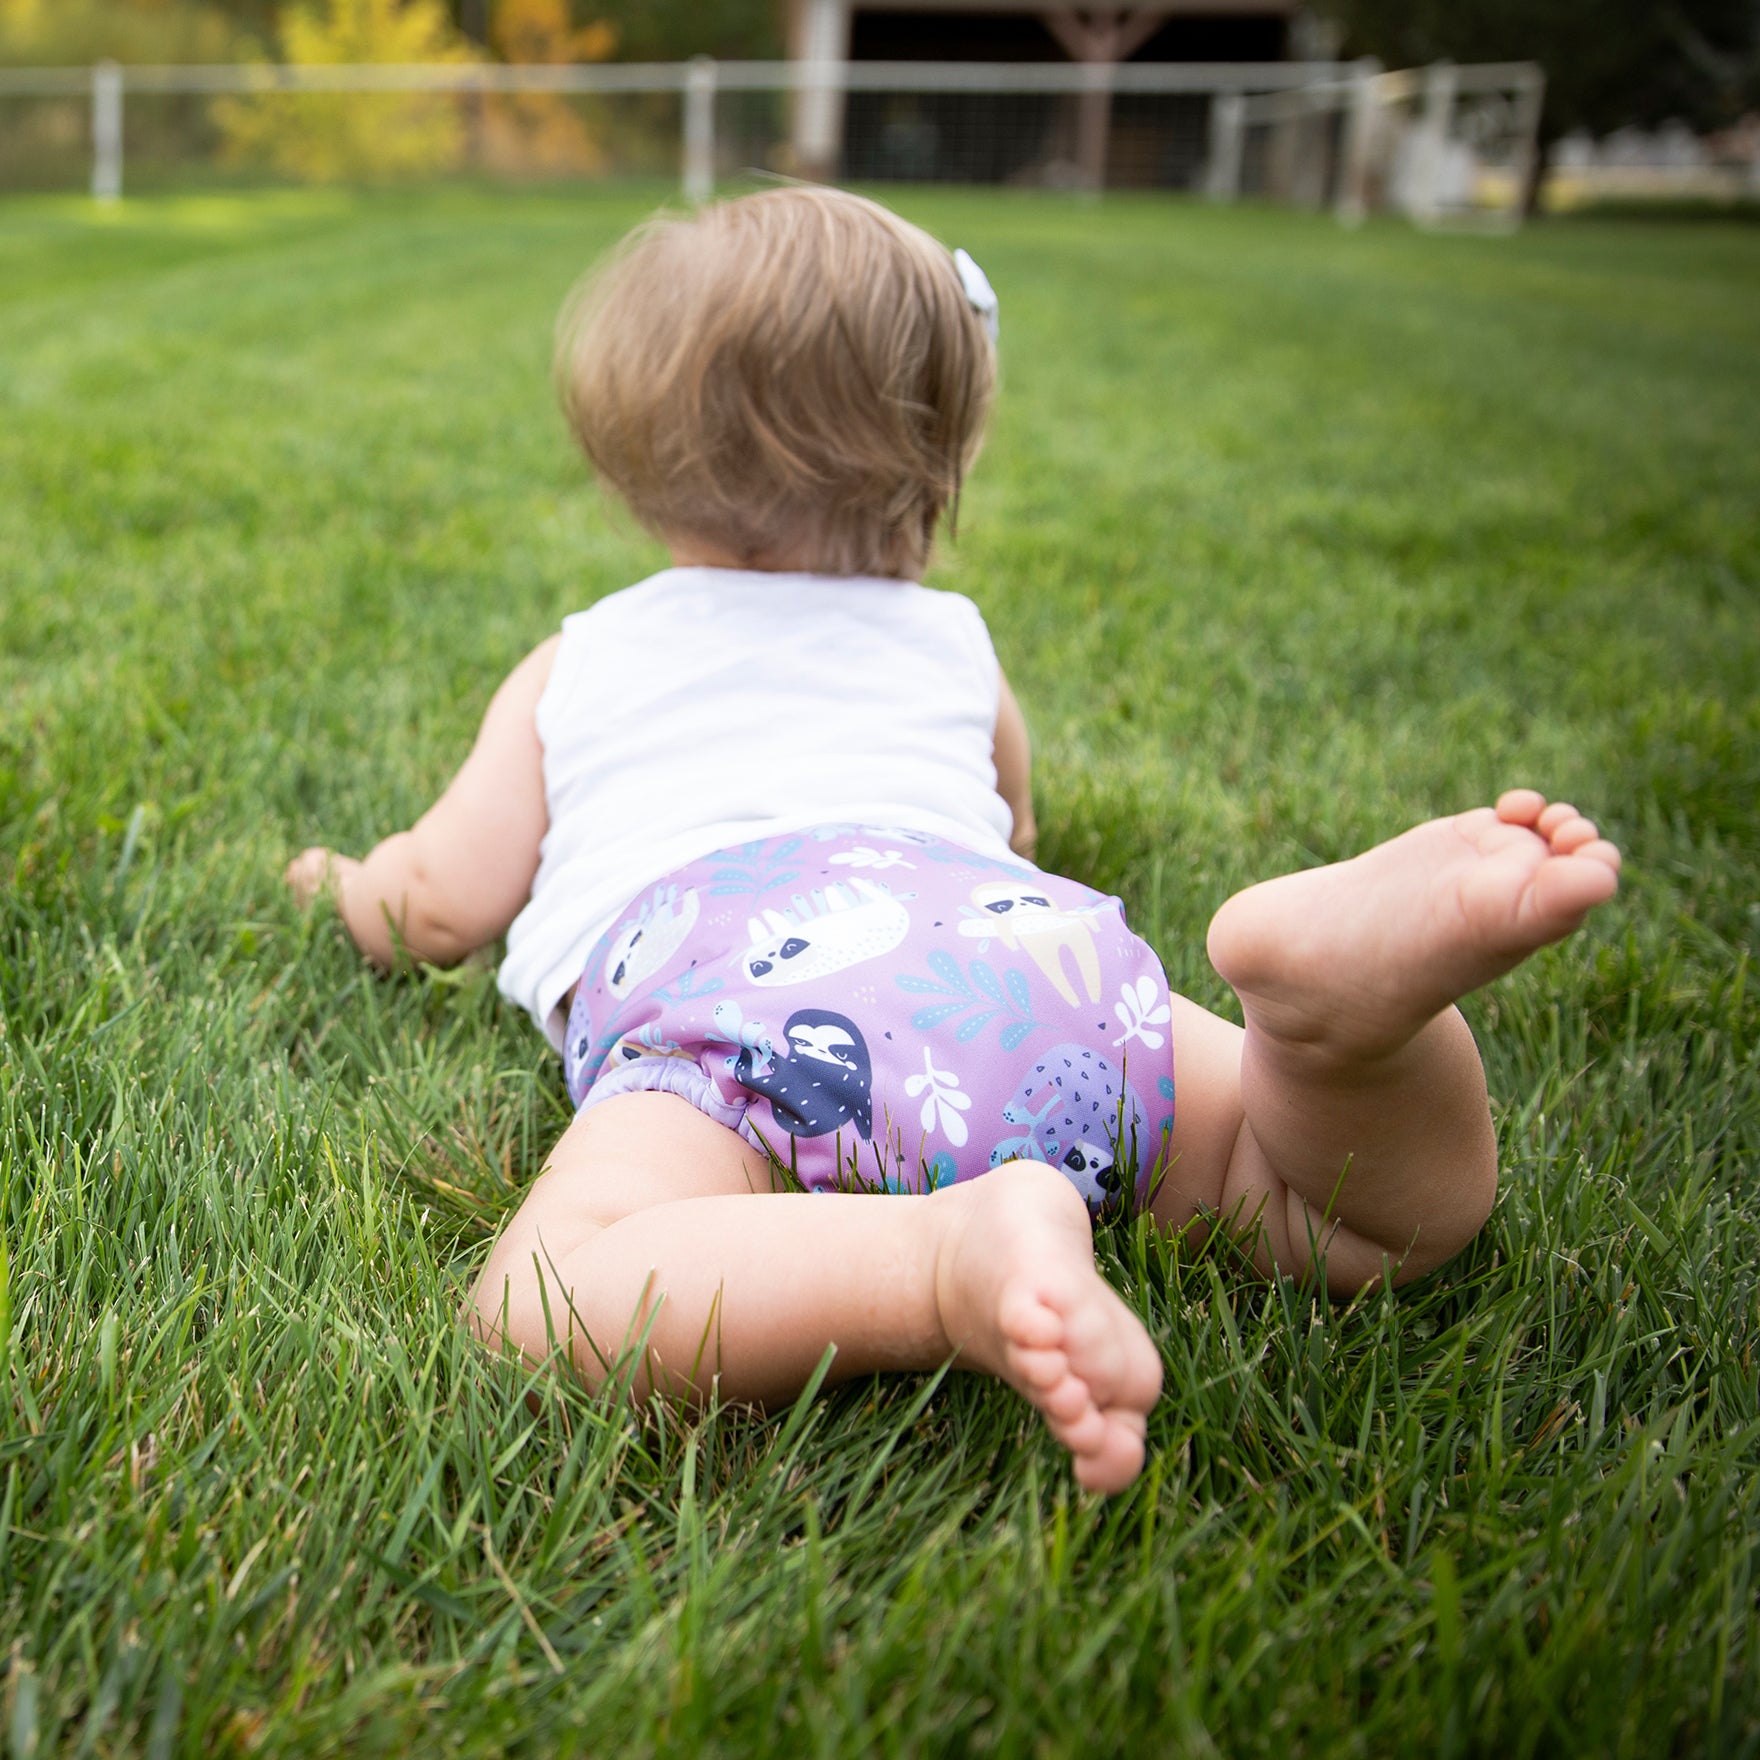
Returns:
(1466,112)
(1287,534)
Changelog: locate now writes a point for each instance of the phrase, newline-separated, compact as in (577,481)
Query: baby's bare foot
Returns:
(1019,1297)
(1355,958)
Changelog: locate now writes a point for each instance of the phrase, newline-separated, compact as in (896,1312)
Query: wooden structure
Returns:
(824,34)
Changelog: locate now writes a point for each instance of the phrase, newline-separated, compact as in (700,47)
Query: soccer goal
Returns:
(1446,145)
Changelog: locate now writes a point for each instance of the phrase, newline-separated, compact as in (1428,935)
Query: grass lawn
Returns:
(1288,537)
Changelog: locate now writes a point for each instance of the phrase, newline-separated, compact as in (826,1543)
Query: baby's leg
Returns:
(653,1219)
(1360,1123)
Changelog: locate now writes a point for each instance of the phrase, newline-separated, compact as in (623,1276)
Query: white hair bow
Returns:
(979,292)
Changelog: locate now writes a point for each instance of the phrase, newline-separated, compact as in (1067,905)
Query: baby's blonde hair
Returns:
(791,380)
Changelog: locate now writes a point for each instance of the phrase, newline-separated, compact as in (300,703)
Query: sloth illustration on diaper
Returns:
(1022,916)
(1077,1112)
(821,1082)
(645,943)
(838,926)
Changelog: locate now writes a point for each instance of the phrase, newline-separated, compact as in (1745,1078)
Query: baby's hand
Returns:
(317,872)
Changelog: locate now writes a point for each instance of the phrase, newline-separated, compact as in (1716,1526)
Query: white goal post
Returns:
(1444,145)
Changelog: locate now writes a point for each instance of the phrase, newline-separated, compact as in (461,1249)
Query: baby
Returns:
(850,1071)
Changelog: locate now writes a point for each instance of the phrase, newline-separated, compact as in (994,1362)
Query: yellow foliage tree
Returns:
(330,137)
(544,31)
(541,132)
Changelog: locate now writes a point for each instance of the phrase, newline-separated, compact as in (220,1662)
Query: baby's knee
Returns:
(492,1312)
(514,1303)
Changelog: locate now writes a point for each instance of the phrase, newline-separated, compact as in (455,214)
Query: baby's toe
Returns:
(1555,814)
(1140,1385)
(1568,888)
(1573,834)
(1520,806)
(1114,1464)
(1067,1404)
(1034,1371)
(1081,1435)
(1028,1323)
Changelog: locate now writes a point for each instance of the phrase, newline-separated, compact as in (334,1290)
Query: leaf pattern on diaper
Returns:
(688,984)
(1164,1087)
(945,1100)
(1005,996)
(757,872)
(940,1170)
(976,860)
(865,856)
(1140,1009)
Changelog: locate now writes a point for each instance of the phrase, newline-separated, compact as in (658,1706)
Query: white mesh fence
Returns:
(1436,143)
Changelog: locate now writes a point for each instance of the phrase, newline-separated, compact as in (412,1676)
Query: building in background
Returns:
(1087,139)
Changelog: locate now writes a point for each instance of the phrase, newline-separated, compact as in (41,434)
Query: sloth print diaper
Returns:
(884,1011)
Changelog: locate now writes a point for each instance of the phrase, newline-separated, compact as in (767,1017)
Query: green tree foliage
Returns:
(72,32)
(36,31)
(256,16)
(670,30)
(331,137)
(1608,62)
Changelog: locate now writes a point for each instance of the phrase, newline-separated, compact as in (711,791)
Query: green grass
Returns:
(1288,537)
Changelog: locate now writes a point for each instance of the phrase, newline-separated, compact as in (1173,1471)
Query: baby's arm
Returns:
(1014,772)
(461,874)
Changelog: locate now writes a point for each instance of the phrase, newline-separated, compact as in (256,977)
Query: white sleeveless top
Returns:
(706,707)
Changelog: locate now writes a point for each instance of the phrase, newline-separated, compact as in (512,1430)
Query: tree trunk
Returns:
(1539,167)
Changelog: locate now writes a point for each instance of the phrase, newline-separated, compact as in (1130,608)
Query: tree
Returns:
(82,31)
(659,30)
(324,137)
(540,132)
(1608,62)
(646,30)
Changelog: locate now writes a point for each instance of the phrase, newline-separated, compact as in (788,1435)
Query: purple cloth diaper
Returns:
(882,1010)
